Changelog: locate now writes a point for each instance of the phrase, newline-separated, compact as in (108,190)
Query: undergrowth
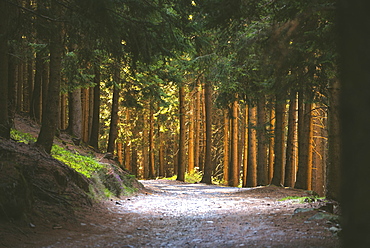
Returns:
(107,179)
(302,199)
(82,164)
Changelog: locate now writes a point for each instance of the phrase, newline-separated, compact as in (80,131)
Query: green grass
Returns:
(302,199)
(84,164)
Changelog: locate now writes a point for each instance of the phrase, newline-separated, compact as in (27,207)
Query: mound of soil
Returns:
(30,177)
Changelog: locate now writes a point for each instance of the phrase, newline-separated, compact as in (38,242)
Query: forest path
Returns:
(177,214)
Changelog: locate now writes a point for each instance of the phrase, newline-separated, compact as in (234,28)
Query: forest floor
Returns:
(176,214)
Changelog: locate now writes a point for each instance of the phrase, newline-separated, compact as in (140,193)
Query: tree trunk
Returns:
(318,155)
(262,170)
(45,86)
(234,135)
(63,111)
(182,138)
(226,145)
(208,168)
(12,90)
(252,149)
(4,118)
(151,143)
(271,144)
(304,173)
(120,153)
(30,77)
(290,165)
(35,111)
(145,159)
(278,177)
(334,154)
(245,148)
(50,117)
(161,152)
(20,81)
(75,113)
(95,125)
(354,26)
(85,114)
(113,129)
(197,128)
(191,137)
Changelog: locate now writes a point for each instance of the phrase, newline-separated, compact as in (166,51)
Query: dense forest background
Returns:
(242,92)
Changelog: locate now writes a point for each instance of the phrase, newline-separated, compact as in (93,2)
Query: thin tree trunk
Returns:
(50,116)
(113,129)
(262,170)
(20,82)
(35,111)
(30,77)
(271,144)
(120,153)
(290,165)
(181,155)
(246,140)
(191,137)
(226,145)
(278,177)
(208,168)
(45,86)
(197,128)
(252,149)
(145,160)
(234,135)
(12,90)
(95,125)
(85,114)
(151,143)
(63,111)
(161,152)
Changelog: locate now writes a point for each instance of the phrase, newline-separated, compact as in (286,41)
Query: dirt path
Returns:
(175,214)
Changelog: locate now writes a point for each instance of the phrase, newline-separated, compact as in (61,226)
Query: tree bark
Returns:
(278,177)
(95,125)
(304,173)
(161,152)
(181,154)
(35,111)
(271,144)
(290,165)
(191,137)
(151,142)
(75,113)
(262,170)
(245,149)
(226,145)
(252,149)
(113,128)
(234,138)
(4,118)
(197,128)
(208,168)
(50,116)
(354,26)
(334,154)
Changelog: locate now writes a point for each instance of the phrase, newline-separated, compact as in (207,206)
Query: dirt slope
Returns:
(175,214)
